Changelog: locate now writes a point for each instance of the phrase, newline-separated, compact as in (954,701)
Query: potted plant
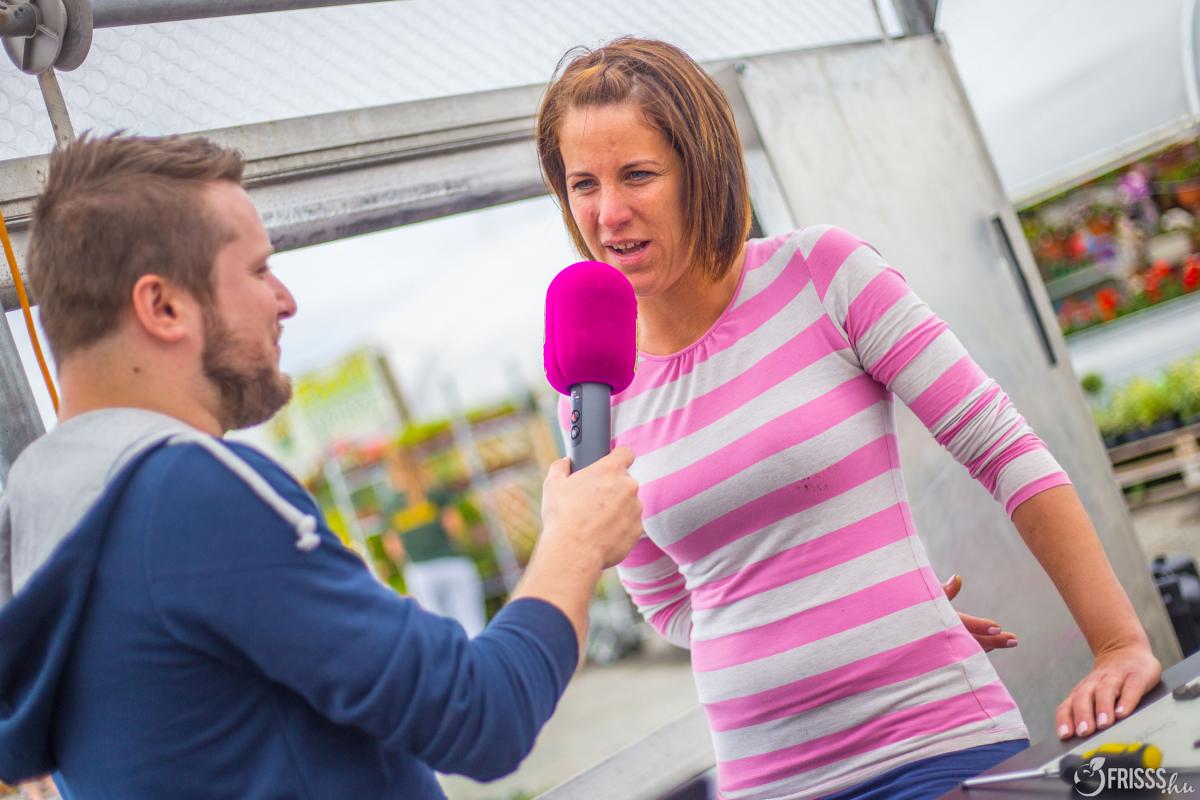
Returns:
(1182,382)
(1184,179)
(1142,408)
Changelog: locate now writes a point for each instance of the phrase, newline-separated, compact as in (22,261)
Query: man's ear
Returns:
(164,310)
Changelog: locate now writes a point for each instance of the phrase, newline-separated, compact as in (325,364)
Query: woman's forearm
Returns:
(1058,532)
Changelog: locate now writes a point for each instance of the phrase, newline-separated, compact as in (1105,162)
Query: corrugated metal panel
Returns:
(192,76)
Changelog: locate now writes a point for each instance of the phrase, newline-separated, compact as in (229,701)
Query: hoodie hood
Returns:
(56,486)
(61,494)
(61,475)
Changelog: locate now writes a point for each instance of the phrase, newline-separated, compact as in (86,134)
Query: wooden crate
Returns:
(1159,467)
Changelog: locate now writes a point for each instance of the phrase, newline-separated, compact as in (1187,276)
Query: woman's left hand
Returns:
(1120,677)
(986,631)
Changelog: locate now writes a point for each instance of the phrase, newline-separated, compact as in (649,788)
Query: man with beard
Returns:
(175,618)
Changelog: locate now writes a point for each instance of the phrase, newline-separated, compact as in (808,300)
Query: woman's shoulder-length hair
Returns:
(678,98)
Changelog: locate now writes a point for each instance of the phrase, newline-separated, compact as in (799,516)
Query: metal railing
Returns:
(118,13)
(648,769)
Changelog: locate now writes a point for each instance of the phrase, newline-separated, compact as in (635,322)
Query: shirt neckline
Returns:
(716,323)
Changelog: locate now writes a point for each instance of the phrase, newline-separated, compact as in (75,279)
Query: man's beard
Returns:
(249,393)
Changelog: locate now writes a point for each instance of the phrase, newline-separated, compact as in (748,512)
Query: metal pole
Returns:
(883,31)
(18,20)
(344,504)
(917,16)
(118,13)
(481,483)
(20,422)
(56,107)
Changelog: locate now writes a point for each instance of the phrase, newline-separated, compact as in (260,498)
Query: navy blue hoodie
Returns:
(198,634)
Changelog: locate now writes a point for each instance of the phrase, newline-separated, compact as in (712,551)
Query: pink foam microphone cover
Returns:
(591,327)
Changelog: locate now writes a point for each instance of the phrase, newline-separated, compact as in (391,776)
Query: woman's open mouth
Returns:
(627,251)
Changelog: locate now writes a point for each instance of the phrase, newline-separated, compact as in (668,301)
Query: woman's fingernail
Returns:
(1120,709)
(992,631)
(1011,643)
(1082,728)
(1102,719)
(1064,731)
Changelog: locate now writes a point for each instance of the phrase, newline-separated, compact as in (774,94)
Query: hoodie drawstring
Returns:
(305,525)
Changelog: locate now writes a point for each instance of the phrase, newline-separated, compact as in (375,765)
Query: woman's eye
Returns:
(639,174)
(582,185)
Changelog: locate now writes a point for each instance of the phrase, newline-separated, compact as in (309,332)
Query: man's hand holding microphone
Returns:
(591,515)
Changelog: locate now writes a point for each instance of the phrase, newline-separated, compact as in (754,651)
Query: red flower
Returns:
(1191,273)
(1077,246)
(1107,301)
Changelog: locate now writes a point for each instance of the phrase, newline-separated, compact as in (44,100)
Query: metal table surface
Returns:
(1173,725)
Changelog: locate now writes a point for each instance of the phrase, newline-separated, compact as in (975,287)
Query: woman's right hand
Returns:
(986,631)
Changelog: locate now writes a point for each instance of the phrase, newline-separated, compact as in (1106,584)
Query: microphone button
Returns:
(574,416)
(574,433)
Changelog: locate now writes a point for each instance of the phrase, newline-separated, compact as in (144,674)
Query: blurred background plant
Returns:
(1142,406)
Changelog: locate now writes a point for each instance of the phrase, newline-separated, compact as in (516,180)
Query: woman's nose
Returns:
(614,210)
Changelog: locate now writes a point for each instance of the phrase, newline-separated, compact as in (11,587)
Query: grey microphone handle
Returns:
(589,437)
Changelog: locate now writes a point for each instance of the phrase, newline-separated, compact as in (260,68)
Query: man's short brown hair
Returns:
(116,208)
(677,97)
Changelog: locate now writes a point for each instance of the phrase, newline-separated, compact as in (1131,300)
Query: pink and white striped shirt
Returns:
(778,542)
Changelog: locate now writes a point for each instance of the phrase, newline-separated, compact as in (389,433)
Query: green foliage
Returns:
(1183,171)
(1140,403)
(1106,421)
(421,432)
(1182,385)
(1092,383)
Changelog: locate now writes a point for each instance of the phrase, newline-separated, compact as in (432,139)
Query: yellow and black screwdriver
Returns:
(1137,755)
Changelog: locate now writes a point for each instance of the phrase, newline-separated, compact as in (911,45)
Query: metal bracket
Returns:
(77,41)
(43,34)
(18,19)
(36,52)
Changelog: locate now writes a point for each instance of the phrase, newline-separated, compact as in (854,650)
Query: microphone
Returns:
(590,351)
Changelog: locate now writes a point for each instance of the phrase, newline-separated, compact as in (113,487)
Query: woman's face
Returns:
(625,189)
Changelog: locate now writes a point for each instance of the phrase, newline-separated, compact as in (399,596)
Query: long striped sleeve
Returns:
(659,591)
(903,345)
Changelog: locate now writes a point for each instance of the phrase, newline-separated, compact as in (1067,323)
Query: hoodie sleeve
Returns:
(227,578)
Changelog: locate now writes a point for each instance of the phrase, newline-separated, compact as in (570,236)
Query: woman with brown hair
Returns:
(778,542)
